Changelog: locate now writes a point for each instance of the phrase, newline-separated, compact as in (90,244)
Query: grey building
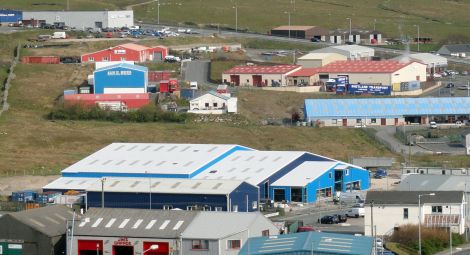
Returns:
(457,50)
(83,19)
(41,231)
(217,233)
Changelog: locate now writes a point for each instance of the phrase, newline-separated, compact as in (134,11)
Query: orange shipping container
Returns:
(40,60)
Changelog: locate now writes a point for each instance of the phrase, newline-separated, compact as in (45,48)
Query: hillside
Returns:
(438,19)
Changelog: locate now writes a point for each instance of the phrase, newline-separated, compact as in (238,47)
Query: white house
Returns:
(213,103)
(392,209)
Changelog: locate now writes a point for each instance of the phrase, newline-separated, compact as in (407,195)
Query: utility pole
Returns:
(158,12)
(68,5)
(236,17)
(371,218)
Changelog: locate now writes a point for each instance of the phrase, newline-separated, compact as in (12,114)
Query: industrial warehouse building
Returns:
(226,174)
(174,193)
(83,19)
(456,50)
(127,52)
(434,63)
(351,52)
(121,78)
(259,76)
(156,232)
(309,243)
(386,111)
(10,17)
(387,72)
(319,59)
(301,32)
(38,231)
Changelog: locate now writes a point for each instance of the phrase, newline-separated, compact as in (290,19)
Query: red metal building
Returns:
(124,101)
(127,52)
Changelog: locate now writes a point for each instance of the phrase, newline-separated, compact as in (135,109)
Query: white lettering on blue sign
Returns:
(7,15)
(116,73)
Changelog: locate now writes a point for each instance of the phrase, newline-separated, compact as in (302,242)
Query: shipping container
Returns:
(40,60)
(188,94)
(156,76)
(131,101)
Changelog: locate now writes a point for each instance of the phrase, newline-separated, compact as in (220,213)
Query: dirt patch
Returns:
(28,182)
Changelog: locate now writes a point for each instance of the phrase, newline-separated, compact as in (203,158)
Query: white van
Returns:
(349,197)
(59,35)
(193,85)
(356,212)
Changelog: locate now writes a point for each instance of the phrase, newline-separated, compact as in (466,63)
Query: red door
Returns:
(257,80)
(87,247)
(163,248)
(235,79)
(345,122)
(383,122)
(396,121)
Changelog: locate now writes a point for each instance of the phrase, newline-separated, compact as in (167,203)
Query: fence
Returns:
(9,79)
(38,172)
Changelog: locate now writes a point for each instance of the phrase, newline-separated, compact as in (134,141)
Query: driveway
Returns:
(386,135)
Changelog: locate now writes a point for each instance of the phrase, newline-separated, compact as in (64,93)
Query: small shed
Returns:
(213,103)
(301,32)
(121,78)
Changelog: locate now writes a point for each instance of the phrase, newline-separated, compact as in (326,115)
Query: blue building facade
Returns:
(243,198)
(121,78)
(10,16)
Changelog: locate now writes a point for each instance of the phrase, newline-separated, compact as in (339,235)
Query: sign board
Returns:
(1,249)
(122,241)
(118,73)
(119,52)
(15,246)
(359,89)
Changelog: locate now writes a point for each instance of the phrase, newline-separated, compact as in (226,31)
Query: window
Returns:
(334,121)
(105,59)
(218,209)
(330,175)
(167,207)
(373,121)
(190,208)
(265,232)
(347,172)
(206,208)
(206,105)
(214,104)
(405,213)
(254,204)
(234,244)
(358,121)
(437,209)
(247,80)
(235,208)
(91,59)
(200,245)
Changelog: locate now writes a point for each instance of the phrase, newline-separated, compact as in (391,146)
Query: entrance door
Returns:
(279,195)
(157,56)
(90,247)
(235,79)
(257,80)
(345,122)
(123,250)
(383,122)
(99,24)
(396,121)
(296,194)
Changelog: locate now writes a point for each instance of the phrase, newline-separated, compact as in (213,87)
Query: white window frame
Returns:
(230,248)
(334,121)
(167,207)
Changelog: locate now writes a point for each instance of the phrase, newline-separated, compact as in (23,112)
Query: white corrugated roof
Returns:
(428,58)
(153,158)
(70,183)
(305,173)
(319,55)
(167,185)
(250,166)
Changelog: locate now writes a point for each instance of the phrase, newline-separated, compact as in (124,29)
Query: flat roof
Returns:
(293,28)
(167,185)
(136,47)
(395,197)
(123,65)
(70,183)
(276,69)
(319,55)
(250,166)
(305,173)
(168,160)
(386,107)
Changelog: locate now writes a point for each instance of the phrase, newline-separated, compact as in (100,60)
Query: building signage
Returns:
(360,89)
(1,249)
(119,52)
(7,15)
(15,246)
(122,241)
(116,73)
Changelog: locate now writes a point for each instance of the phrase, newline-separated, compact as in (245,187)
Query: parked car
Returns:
(305,229)
(450,85)
(341,218)
(437,75)
(380,173)
(328,219)
(379,242)
(433,124)
(464,72)
(458,123)
(356,212)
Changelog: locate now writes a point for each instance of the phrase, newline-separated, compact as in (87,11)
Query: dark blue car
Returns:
(380,173)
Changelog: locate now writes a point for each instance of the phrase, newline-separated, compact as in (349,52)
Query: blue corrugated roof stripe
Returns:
(124,65)
(321,242)
(386,107)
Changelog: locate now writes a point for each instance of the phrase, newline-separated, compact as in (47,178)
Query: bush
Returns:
(145,114)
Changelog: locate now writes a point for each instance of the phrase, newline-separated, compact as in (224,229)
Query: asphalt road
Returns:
(443,91)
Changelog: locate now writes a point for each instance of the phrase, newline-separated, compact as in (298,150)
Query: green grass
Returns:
(398,249)
(45,5)
(218,67)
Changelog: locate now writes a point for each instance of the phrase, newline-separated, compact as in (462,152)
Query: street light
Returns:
(158,11)
(418,35)
(236,17)
(349,38)
(419,218)
(288,13)
(152,248)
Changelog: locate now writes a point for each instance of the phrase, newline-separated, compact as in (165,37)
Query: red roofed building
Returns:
(127,52)
(387,72)
(118,102)
(259,76)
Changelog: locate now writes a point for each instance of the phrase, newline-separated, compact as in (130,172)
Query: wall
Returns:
(323,182)
(409,73)
(117,53)
(120,18)
(308,63)
(213,248)
(247,79)
(351,122)
(10,16)
(367,78)
(356,174)
(244,195)
(75,18)
(291,88)
(137,80)
(200,103)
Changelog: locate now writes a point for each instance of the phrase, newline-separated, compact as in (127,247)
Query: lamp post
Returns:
(102,191)
(236,17)
(350,28)
(418,35)
(419,218)
(158,11)
(288,13)
(152,248)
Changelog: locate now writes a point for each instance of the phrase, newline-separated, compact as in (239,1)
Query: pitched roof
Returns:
(325,243)
(305,173)
(49,220)
(438,182)
(213,93)
(458,48)
(293,28)
(166,186)
(411,197)
(68,183)
(386,107)
(210,225)
(425,58)
(307,71)
(133,46)
(133,222)
(363,66)
(123,65)
(277,69)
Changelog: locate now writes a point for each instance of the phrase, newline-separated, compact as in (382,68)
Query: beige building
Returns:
(259,76)
(351,52)
(319,59)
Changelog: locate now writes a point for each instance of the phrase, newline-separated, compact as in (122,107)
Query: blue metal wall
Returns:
(119,77)
(283,171)
(240,195)
(10,16)
(356,174)
(324,181)
(141,200)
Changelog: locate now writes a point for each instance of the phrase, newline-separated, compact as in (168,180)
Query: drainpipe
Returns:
(228,203)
